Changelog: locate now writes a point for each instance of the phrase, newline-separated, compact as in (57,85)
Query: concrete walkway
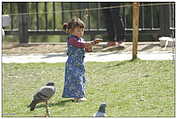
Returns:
(96,57)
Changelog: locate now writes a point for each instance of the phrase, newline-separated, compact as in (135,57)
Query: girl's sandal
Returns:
(83,99)
(79,100)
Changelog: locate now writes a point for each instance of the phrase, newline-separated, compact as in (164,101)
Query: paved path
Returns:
(97,57)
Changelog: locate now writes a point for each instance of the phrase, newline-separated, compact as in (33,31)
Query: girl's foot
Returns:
(79,99)
(83,99)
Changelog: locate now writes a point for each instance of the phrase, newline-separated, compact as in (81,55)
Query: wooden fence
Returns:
(32,18)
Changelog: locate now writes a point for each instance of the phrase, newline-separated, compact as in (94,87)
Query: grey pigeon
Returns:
(101,111)
(43,95)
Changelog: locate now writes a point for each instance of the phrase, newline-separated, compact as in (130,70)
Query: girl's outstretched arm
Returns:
(74,42)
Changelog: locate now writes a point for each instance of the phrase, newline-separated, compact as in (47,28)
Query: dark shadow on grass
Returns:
(111,52)
(123,63)
(59,103)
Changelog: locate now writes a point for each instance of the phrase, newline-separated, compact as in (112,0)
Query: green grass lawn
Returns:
(130,89)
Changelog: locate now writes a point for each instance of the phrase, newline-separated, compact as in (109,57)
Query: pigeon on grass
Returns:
(101,111)
(43,95)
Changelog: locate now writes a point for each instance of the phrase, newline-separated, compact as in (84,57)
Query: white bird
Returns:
(43,95)
(101,111)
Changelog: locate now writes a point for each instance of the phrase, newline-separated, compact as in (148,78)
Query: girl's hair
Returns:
(75,22)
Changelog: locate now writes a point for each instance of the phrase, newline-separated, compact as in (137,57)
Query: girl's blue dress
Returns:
(74,84)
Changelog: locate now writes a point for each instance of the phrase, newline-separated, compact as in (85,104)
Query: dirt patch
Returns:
(14,48)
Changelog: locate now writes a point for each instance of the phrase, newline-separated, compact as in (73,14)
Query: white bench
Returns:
(167,42)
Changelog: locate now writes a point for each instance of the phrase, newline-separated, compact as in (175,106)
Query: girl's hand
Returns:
(96,41)
(88,47)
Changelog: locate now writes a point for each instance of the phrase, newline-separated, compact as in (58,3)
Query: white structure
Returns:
(5,22)
(167,41)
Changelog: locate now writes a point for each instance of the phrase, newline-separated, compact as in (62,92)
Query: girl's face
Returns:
(79,32)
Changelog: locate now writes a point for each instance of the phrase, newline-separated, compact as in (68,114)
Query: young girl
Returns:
(74,85)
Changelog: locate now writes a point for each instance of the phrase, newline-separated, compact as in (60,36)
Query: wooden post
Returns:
(23,22)
(135,29)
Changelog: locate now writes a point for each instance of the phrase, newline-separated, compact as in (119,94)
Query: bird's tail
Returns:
(32,105)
